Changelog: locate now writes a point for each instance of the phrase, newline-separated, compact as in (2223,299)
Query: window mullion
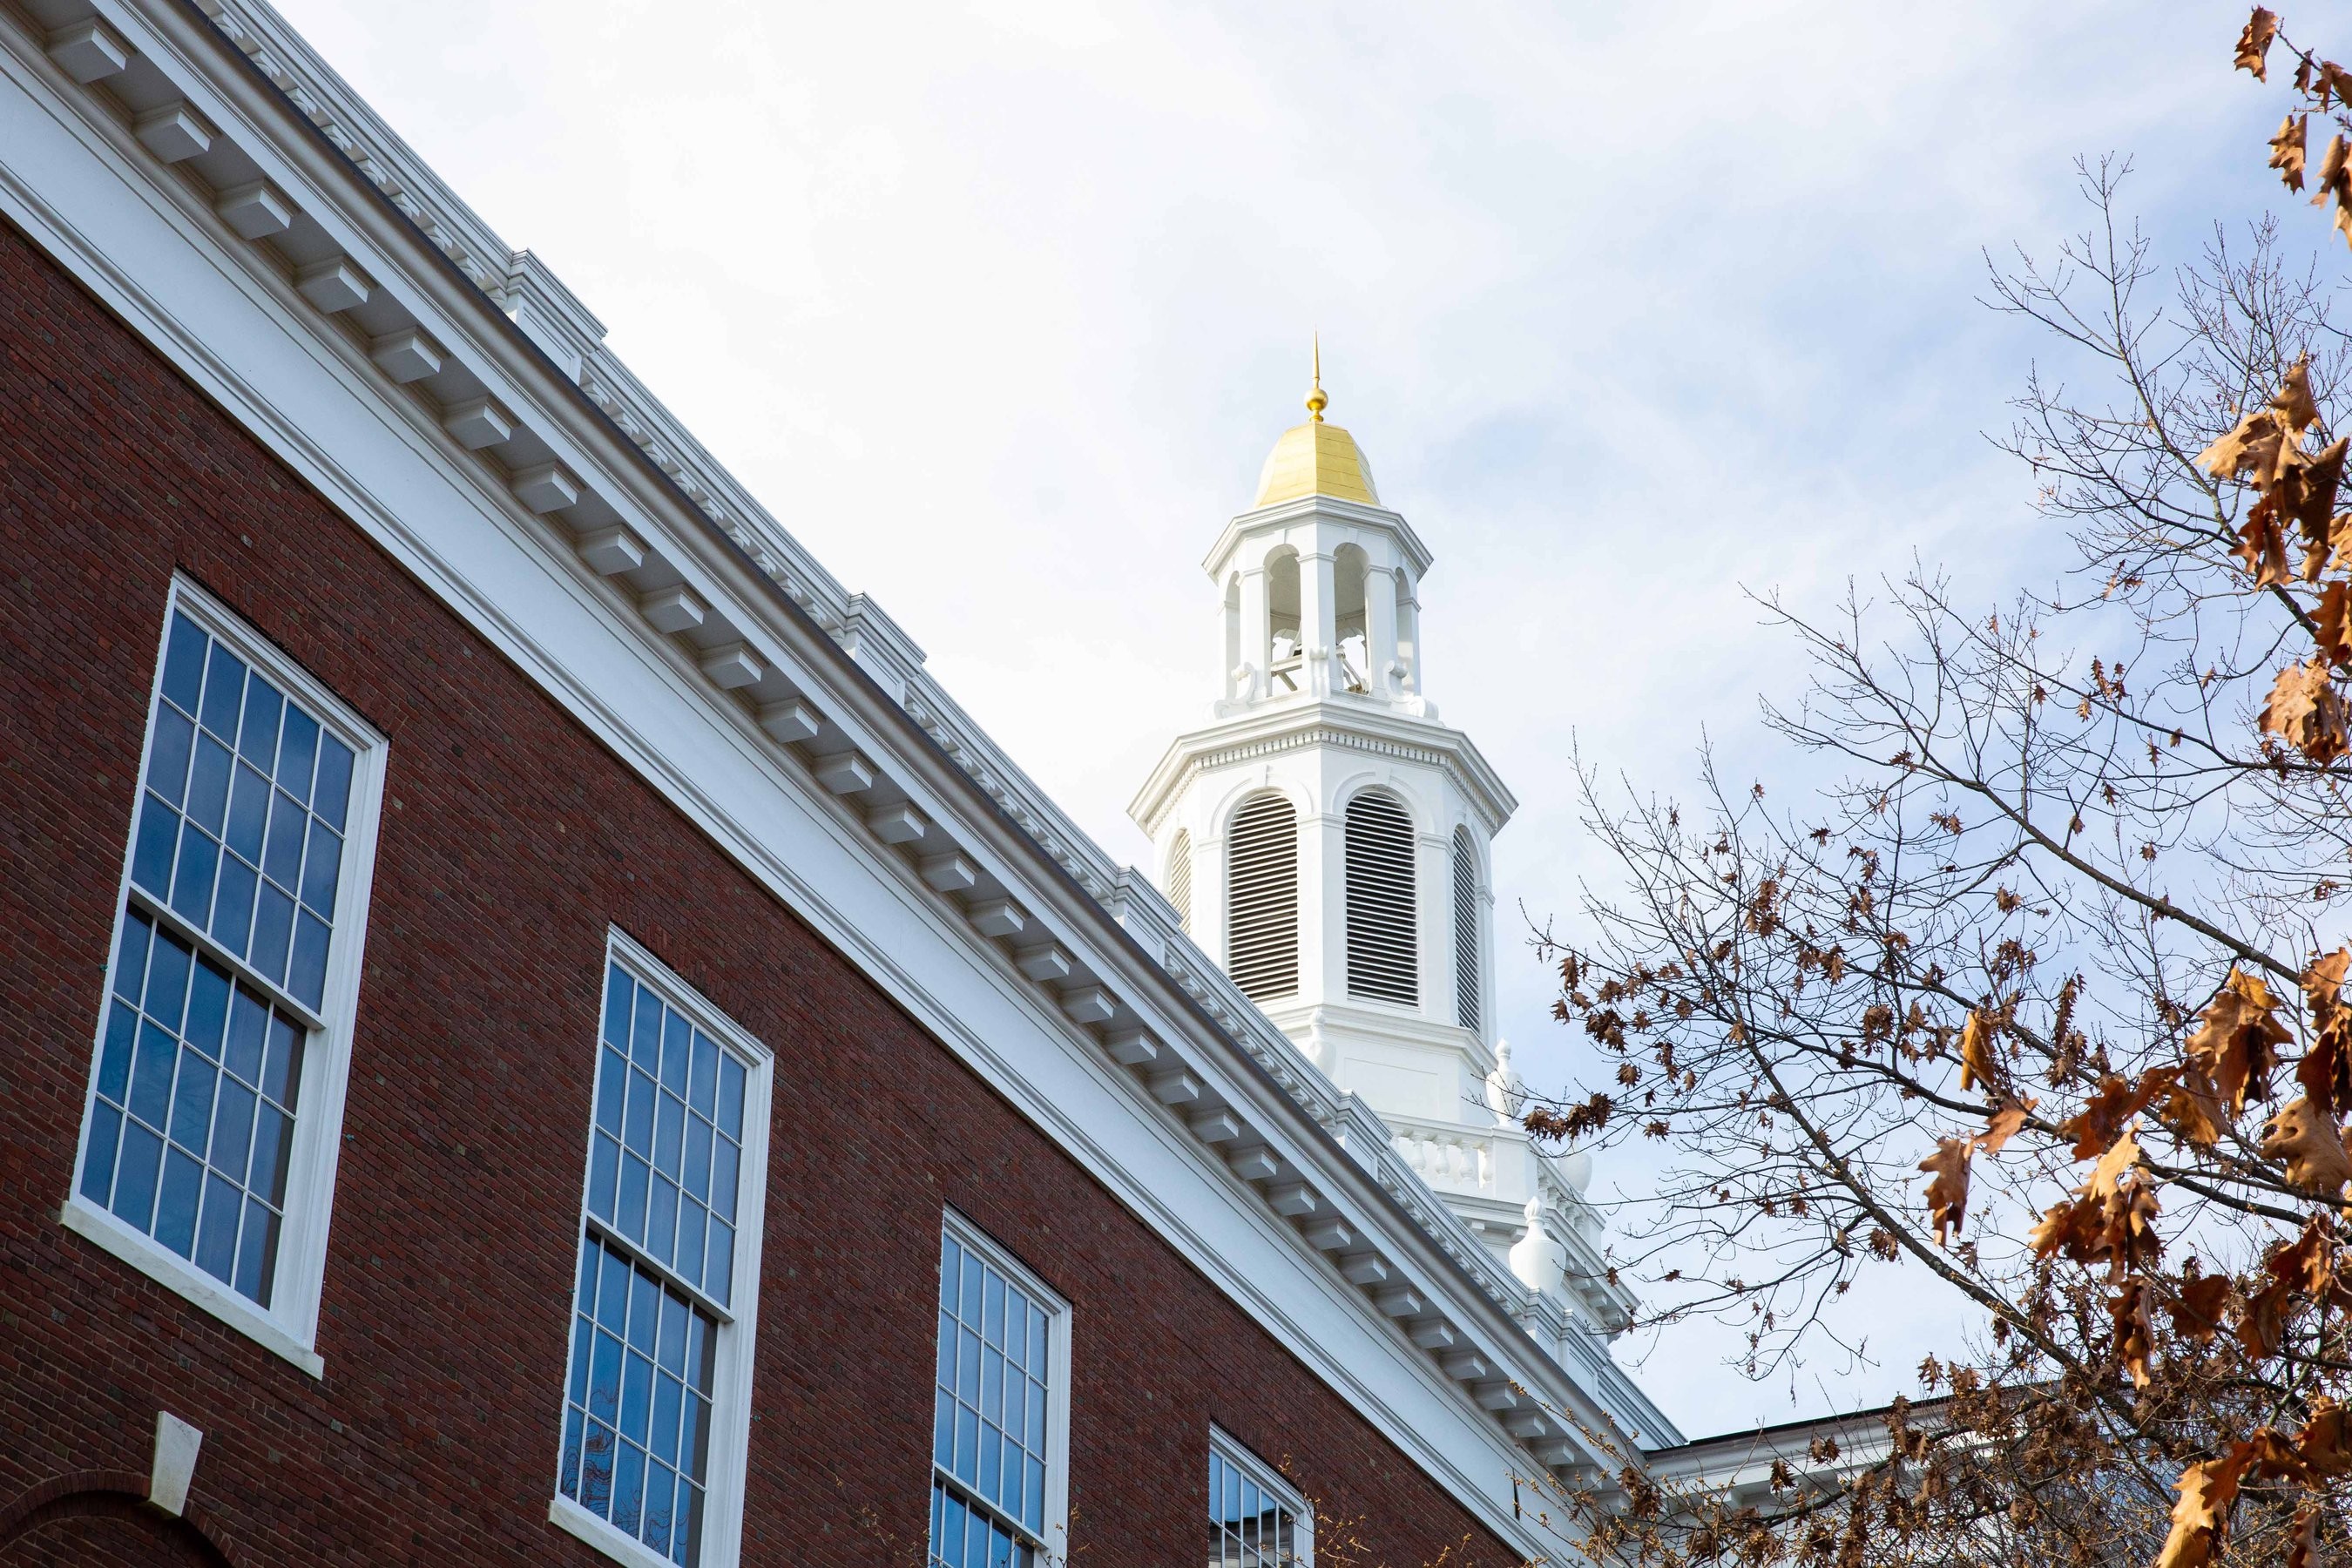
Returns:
(973,1499)
(619,1241)
(187,931)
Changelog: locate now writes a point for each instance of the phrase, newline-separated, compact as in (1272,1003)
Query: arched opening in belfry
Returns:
(1349,568)
(1383,946)
(1284,662)
(1262,897)
(1407,634)
(1467,993)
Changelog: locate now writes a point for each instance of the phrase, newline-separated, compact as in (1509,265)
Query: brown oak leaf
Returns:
(2302,1543)
(2193,1109)
(1978,1065)
(2297,410)
(2305,495)
(2304,1269)
(2197,1308)
(2236,1040)
(1947,1193)
(2326,1070)
(2288,150)
(2255,44)
(2333,174)
(2304,1138)
(2305,710)
(2003,1125)
(2115,1102)
(2201,1518)
(2262,545)
(2325,1442)
(2111,1218)
(2134,1335)
(2249,451)
(2332,620)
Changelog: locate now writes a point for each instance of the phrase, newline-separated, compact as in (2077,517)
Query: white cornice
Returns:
(563,598)
(1283,514)
(1337,721)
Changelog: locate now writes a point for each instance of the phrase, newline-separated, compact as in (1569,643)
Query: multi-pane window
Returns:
(659,1269)
(214,1048)
(1255,1521)
(995,1432)
(197,1084)
(242,820)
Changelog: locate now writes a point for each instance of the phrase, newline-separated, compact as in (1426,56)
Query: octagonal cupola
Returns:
(1319,579)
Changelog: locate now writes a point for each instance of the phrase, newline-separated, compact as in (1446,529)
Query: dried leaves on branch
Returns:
(2042,995)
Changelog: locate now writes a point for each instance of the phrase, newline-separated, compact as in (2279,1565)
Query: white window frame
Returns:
(1054,1536)
(1224,1445)
(289,1325)
(730,1425)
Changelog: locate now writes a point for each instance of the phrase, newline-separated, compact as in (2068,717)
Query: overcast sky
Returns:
(1633,308)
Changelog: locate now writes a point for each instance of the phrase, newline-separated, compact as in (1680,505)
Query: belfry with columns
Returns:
(1329,840)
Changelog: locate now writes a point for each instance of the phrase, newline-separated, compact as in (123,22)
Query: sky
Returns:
(1636,311)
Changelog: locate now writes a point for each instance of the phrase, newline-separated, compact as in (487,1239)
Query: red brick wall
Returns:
(508,840)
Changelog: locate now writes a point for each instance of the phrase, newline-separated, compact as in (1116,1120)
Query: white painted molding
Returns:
(407,355)
(256,209)
(332,284)
(477,423)
(175,1466)
(174,132)
(546,487)
(88,51)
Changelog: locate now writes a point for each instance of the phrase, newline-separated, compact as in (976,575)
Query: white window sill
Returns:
(609,1539)
(199,1289)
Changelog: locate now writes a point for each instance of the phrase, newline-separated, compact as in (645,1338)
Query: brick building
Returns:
(550,1038)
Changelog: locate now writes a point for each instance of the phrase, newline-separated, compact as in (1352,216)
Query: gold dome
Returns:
(1316,459)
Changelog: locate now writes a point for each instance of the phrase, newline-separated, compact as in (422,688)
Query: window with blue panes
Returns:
(239,851)
(1255,1520)
(994,1414)
(657,1270)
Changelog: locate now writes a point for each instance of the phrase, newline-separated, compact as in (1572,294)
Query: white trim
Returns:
(143,1252)
(1235,1452)
(573,1520)
(972,1238)
(289,1325)
(726,1481)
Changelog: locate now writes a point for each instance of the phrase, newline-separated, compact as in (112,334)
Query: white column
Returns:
(1228,642)
(1257,635)
(1317,620)
(1408,634)
(1380,630)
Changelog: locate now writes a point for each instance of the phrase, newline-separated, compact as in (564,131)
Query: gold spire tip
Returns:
(1316,401)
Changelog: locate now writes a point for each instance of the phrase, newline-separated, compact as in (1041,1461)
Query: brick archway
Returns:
(97,1519)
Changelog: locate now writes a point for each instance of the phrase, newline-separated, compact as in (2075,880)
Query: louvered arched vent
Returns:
(1382,962)
(1262,894)
(1180,877)
(1465,930)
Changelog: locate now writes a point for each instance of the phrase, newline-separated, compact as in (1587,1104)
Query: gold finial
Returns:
(1315,402)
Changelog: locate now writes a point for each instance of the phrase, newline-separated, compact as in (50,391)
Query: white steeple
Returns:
(1327,840)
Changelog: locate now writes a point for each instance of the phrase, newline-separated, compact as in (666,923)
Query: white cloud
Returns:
(1000,306)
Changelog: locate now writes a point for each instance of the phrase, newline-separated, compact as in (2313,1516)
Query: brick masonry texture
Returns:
(509,840)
